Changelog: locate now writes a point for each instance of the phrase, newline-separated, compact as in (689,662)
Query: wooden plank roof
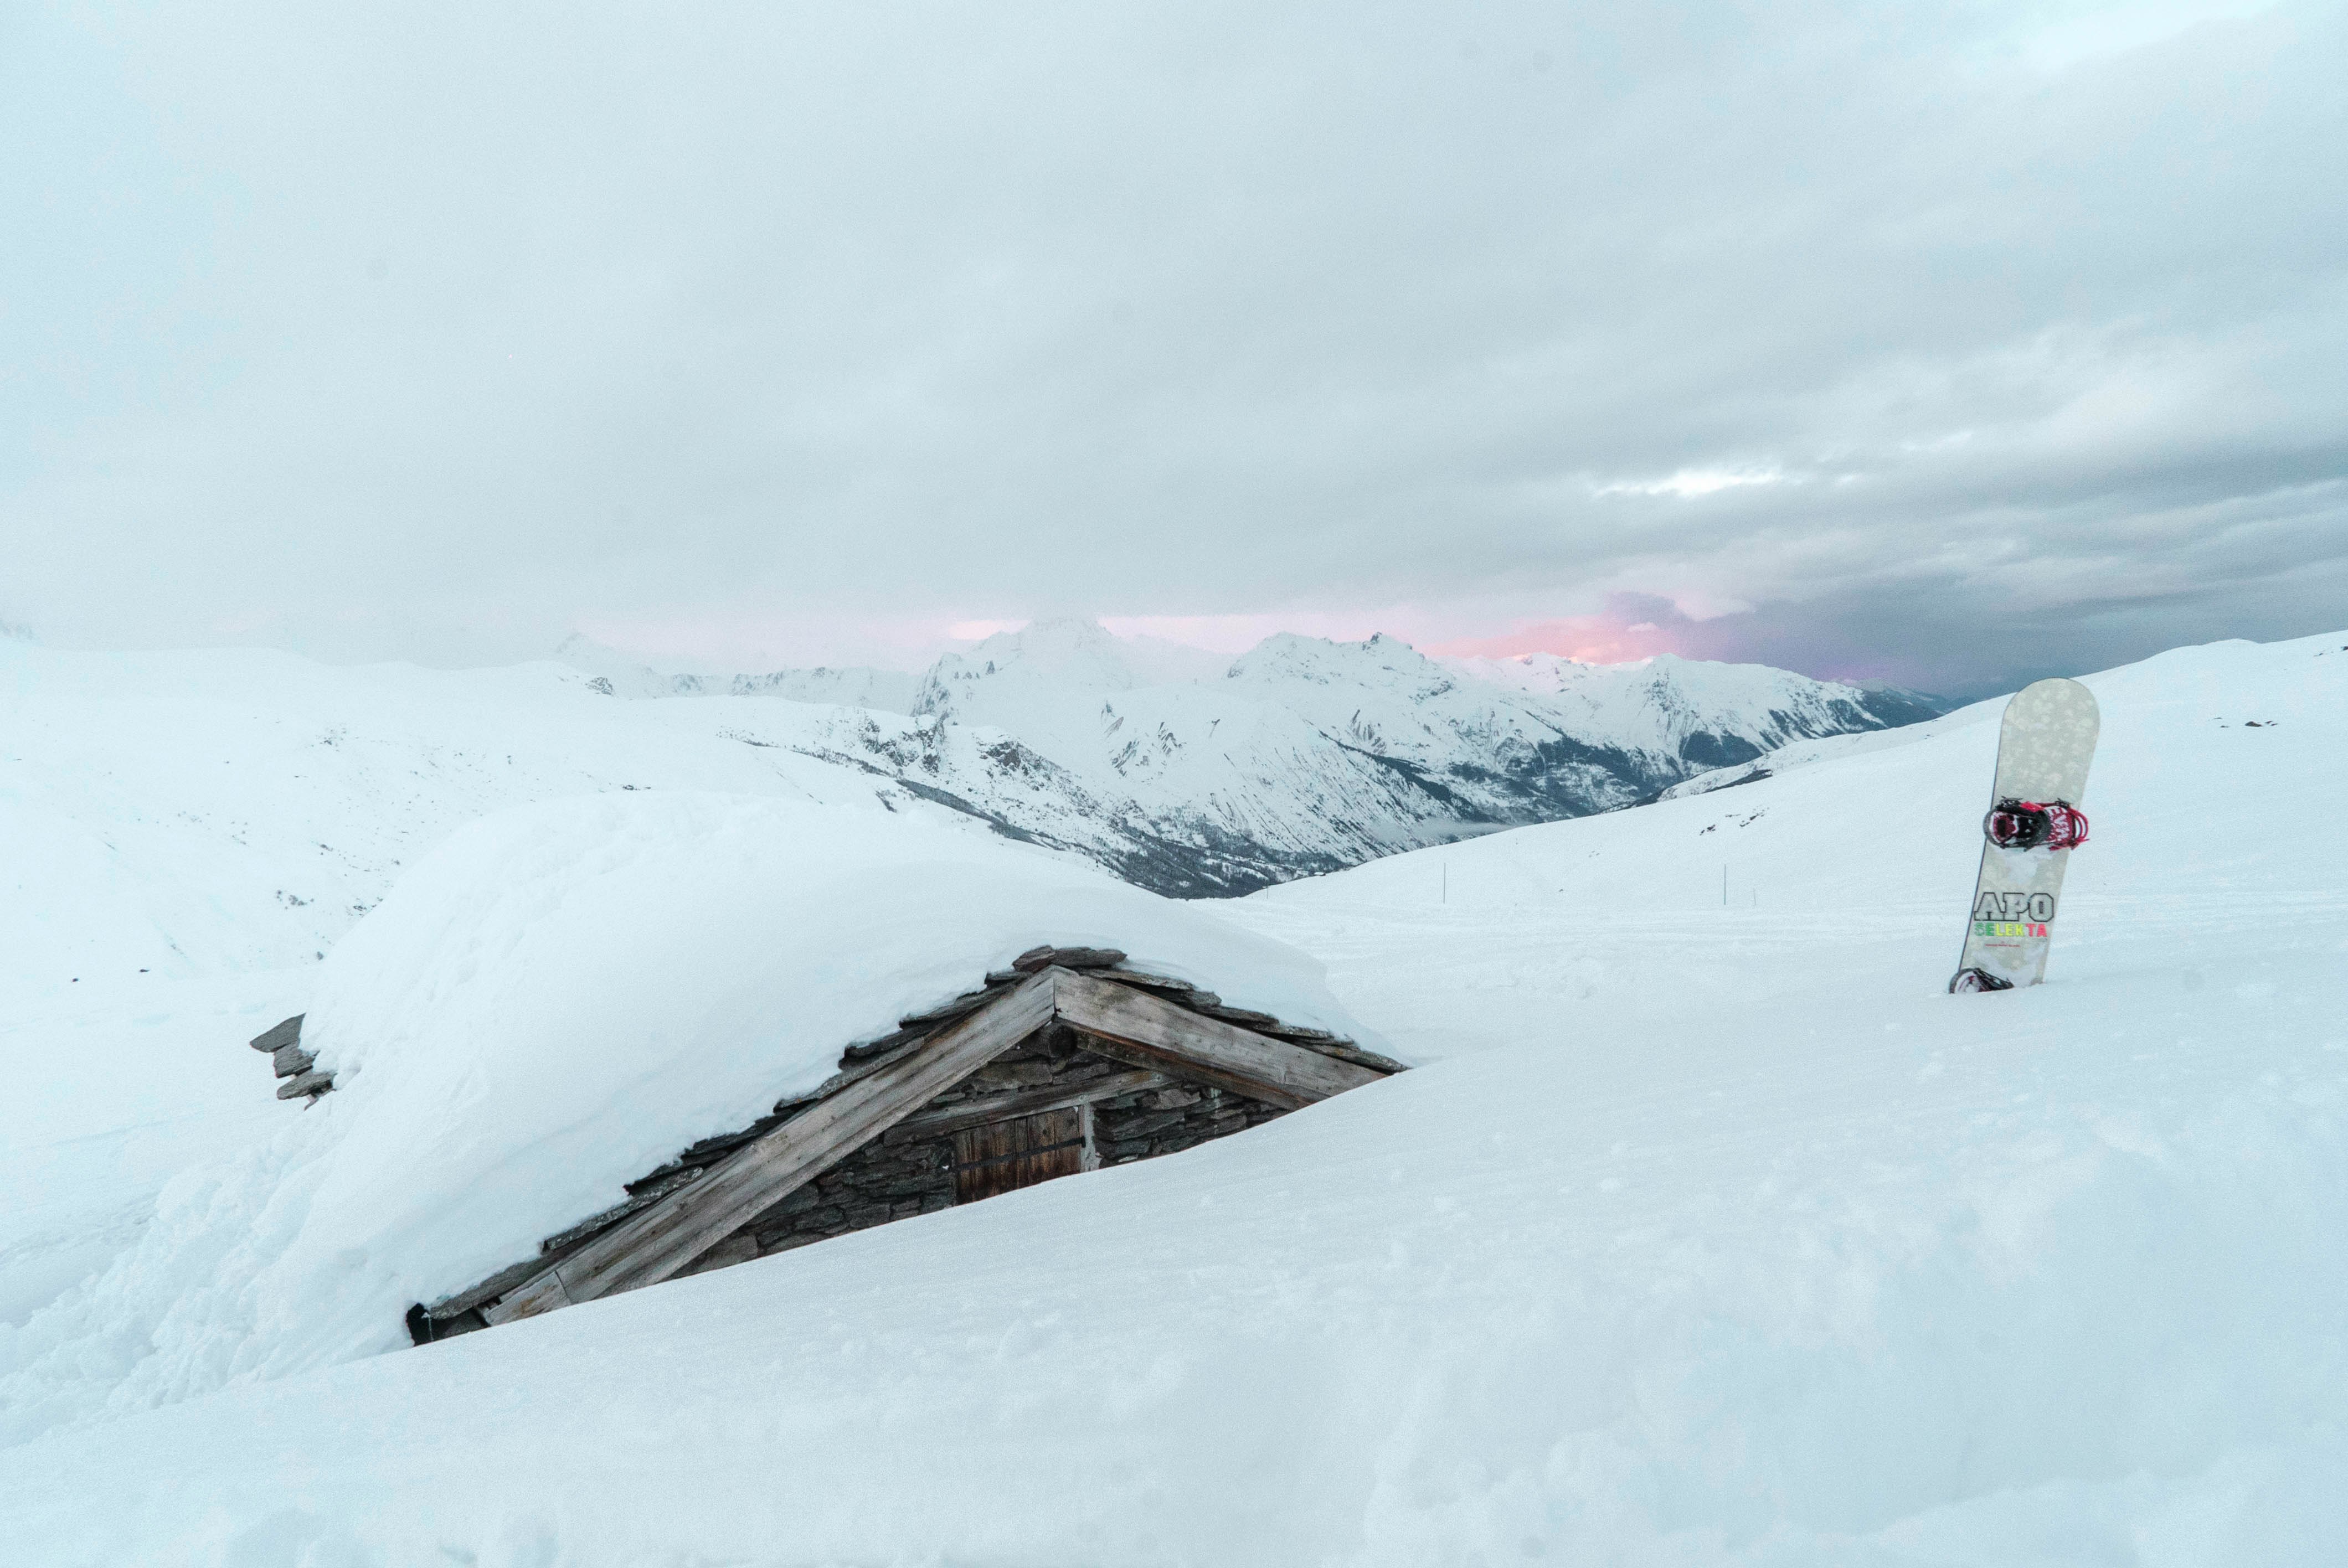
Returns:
(1154,1024)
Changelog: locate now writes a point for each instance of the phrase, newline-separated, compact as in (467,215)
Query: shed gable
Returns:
(1065,1062)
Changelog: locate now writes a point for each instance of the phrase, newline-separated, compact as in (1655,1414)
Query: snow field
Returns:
(195,813)
(1937,1296)
(112,1090)
(1714,1235)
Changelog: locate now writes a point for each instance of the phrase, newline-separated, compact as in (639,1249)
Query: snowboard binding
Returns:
(1968,980)
(2030,825)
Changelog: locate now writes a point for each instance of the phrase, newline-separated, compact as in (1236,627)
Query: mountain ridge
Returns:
(1197,775)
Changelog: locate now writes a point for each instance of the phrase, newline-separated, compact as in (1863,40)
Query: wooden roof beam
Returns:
(1125,1023)
(1136,1027)
(663,1238)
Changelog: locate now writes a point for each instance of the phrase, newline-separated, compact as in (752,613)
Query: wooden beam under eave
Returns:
(1143,1029)
(1029,1102)
(664,1238)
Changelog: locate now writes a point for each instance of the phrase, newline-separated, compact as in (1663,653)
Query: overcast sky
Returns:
(1949,343)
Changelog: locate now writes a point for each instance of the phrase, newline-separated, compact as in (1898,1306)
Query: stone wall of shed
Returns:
(879,1183)
(1154,1121)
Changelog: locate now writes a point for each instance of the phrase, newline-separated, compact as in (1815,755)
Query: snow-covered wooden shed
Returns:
(1067,1060)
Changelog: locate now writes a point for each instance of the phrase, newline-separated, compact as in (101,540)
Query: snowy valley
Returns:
(1706,1230)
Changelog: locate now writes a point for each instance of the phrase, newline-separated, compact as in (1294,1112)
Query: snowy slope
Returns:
(1724,1236)
(112,1089)
(556,999)
(847,686)
(201,813)
(853,686)
(184,835)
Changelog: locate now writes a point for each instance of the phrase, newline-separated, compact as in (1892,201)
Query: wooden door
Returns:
(1002,1156)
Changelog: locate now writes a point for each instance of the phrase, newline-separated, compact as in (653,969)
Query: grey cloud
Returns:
(433,331)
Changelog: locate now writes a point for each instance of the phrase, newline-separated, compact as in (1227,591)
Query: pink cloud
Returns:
(1632,626)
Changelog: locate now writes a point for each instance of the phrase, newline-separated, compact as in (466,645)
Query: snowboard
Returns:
(2044,748)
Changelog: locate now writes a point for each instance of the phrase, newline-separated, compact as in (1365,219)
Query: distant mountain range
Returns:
(1198,775)
(196,811)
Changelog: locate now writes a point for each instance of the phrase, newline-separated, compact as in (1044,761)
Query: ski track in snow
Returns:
(1711,1234)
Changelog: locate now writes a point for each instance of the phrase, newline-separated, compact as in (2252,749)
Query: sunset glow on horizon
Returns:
(1590,639)
(1632,627)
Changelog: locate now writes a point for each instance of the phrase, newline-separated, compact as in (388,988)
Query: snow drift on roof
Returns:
(560,998)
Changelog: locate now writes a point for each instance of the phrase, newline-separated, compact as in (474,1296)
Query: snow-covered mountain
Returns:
(1190,773)
(248,807)
(1705,714)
